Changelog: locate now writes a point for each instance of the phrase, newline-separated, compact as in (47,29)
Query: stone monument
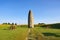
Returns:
(30,20)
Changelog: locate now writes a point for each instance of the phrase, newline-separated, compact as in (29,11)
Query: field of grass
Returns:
(48,34)
(20,33)
(17,34)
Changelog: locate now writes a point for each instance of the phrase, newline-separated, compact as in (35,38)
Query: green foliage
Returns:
(41,23)
(12,24)
(15,23)
(56,26)
(4,23)
(8,23)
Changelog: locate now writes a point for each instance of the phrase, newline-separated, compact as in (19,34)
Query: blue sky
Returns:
(44,11)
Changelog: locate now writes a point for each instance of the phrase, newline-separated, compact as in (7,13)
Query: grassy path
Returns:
(33,35)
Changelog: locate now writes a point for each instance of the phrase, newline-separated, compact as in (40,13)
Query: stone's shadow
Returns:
(51,34)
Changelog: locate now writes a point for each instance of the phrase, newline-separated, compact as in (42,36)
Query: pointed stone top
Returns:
(30,11)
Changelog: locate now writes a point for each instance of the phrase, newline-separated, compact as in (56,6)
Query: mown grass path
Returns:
(33,35)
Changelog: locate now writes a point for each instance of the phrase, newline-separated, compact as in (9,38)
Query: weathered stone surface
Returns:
(30,20)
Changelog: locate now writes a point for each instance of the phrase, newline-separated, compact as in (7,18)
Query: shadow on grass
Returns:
(51,34)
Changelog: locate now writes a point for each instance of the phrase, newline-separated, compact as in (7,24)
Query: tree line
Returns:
(9,23)
(55,25)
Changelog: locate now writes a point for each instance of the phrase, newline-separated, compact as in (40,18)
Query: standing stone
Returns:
(30,20)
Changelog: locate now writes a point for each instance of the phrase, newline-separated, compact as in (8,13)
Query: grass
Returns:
(48,34)
(17,34)
(20,33)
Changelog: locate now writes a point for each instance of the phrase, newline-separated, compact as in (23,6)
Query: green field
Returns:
(21,33)
(48,34)
(17,34)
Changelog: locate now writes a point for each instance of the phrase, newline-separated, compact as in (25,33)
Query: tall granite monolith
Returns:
(30,20)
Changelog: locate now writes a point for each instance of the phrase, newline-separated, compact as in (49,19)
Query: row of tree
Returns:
(9,23)
(55,25)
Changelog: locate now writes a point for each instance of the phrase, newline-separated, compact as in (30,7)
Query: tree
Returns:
(8,23)
(15,23)
(5,23)
(41,24)
(12,26)
(12,23)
